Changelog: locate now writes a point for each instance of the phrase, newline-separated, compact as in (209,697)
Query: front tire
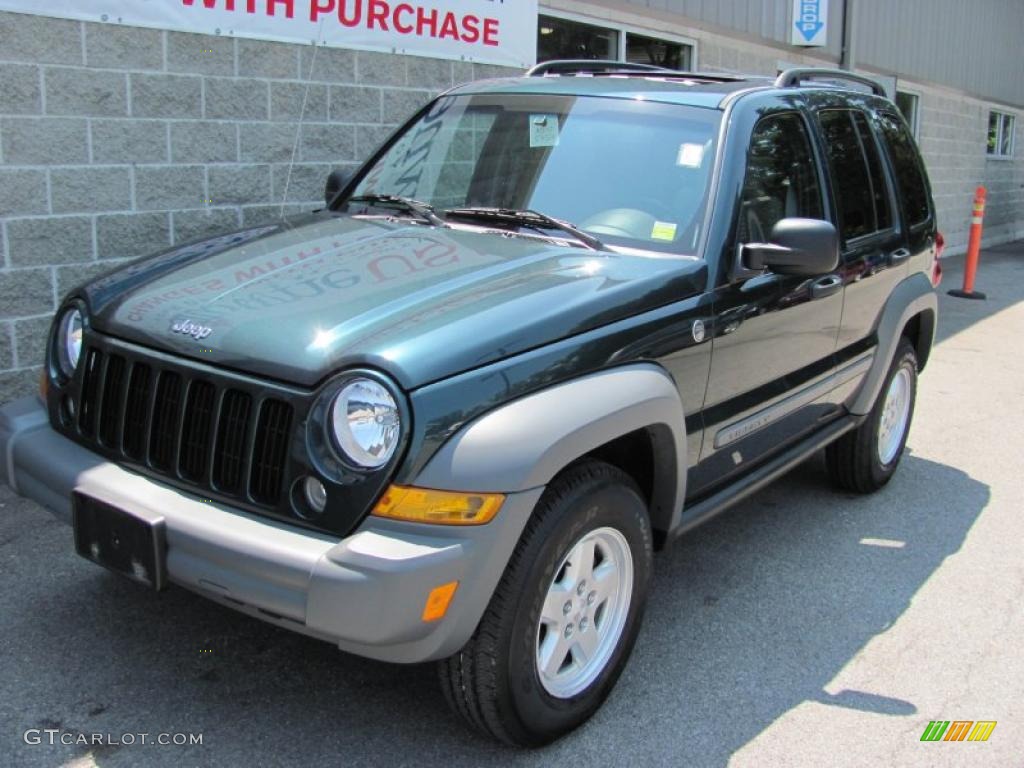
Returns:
(564,618)
(865,459)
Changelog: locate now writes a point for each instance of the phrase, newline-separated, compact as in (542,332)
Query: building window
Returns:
(1000,134)
(567,39)
(641,49)
(907,105)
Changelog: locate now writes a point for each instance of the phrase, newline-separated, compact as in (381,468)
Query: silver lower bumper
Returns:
(365,592)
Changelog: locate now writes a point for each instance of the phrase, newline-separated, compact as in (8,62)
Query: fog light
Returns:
(316,494)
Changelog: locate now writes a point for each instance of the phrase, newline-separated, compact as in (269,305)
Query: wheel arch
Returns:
(920,331)
(630,416)
(912,307)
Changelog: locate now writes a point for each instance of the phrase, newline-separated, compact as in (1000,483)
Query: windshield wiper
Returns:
(423,210)
(533,219)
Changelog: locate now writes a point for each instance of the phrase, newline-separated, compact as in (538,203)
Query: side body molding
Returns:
(913,296)
(525,443)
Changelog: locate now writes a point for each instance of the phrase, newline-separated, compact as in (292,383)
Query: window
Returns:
(1000,134)
(857,179)
(538,151)
(567,39)
(641,49)
(560,38)
(879,189)
(910,177)
(907,105)
(781,179)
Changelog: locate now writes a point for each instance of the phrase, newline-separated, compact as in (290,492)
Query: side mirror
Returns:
(336,181)
(797,247)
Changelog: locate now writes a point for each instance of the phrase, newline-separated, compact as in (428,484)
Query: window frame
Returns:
(1003,119)
(827,208)
(915,124)
(895,208)
(621,29)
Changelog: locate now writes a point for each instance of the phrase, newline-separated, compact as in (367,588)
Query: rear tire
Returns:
(865,459)
(587,547)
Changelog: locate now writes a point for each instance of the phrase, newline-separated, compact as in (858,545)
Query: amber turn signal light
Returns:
(424,505)
(438,601)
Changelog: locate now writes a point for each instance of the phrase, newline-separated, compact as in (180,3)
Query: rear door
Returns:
(874,252)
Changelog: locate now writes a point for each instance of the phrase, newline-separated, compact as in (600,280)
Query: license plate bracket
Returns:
(124,542)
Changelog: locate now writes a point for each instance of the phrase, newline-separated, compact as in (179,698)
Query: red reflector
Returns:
(940,246)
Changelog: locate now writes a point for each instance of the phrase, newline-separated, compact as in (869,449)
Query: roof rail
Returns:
(792,78)
(590,66)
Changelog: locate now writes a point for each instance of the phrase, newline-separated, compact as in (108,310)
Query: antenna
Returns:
(319,40)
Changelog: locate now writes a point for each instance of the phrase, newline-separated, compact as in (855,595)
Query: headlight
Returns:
(69,341)
(365,423)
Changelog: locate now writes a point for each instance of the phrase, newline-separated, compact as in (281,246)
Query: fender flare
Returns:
(911,297)
(523,444)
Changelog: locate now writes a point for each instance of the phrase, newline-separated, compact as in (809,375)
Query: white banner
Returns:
(486,31)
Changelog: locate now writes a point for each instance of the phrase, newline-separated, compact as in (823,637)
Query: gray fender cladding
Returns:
(911,297)
(525,443)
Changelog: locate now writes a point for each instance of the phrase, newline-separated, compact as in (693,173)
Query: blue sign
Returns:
(810,22)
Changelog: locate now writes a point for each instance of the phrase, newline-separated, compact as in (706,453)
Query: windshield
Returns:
(632,173)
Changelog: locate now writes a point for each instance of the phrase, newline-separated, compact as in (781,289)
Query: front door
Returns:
(772,353)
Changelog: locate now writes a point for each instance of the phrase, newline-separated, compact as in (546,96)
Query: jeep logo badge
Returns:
(188,328)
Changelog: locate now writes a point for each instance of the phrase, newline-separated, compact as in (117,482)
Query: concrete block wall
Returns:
(953,135)
(117,141)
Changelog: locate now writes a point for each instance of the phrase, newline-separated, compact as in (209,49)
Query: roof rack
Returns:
(591,67)
(607,67)
(792,78)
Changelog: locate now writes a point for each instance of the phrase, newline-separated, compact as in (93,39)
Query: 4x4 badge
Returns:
(188,328)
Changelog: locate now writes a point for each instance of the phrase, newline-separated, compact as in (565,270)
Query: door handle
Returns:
(826,286)
(899,256)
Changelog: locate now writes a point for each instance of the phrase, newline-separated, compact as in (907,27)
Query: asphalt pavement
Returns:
(805,627)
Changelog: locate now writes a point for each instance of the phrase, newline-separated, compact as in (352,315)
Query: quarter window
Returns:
(906,163)
(857,179)
(781,179)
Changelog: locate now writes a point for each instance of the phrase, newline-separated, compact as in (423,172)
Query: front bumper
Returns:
(365,592)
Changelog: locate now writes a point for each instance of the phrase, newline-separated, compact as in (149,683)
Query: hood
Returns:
(302,298)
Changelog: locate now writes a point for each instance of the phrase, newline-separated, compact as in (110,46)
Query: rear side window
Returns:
(857,179)
(879,187)
(910,178)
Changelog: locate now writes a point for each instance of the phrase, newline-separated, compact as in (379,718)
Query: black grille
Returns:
(229,459)
(112,408)
(166,410)
(136,410)
(91,392)
(187,428)
(269,450)
(195,436)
